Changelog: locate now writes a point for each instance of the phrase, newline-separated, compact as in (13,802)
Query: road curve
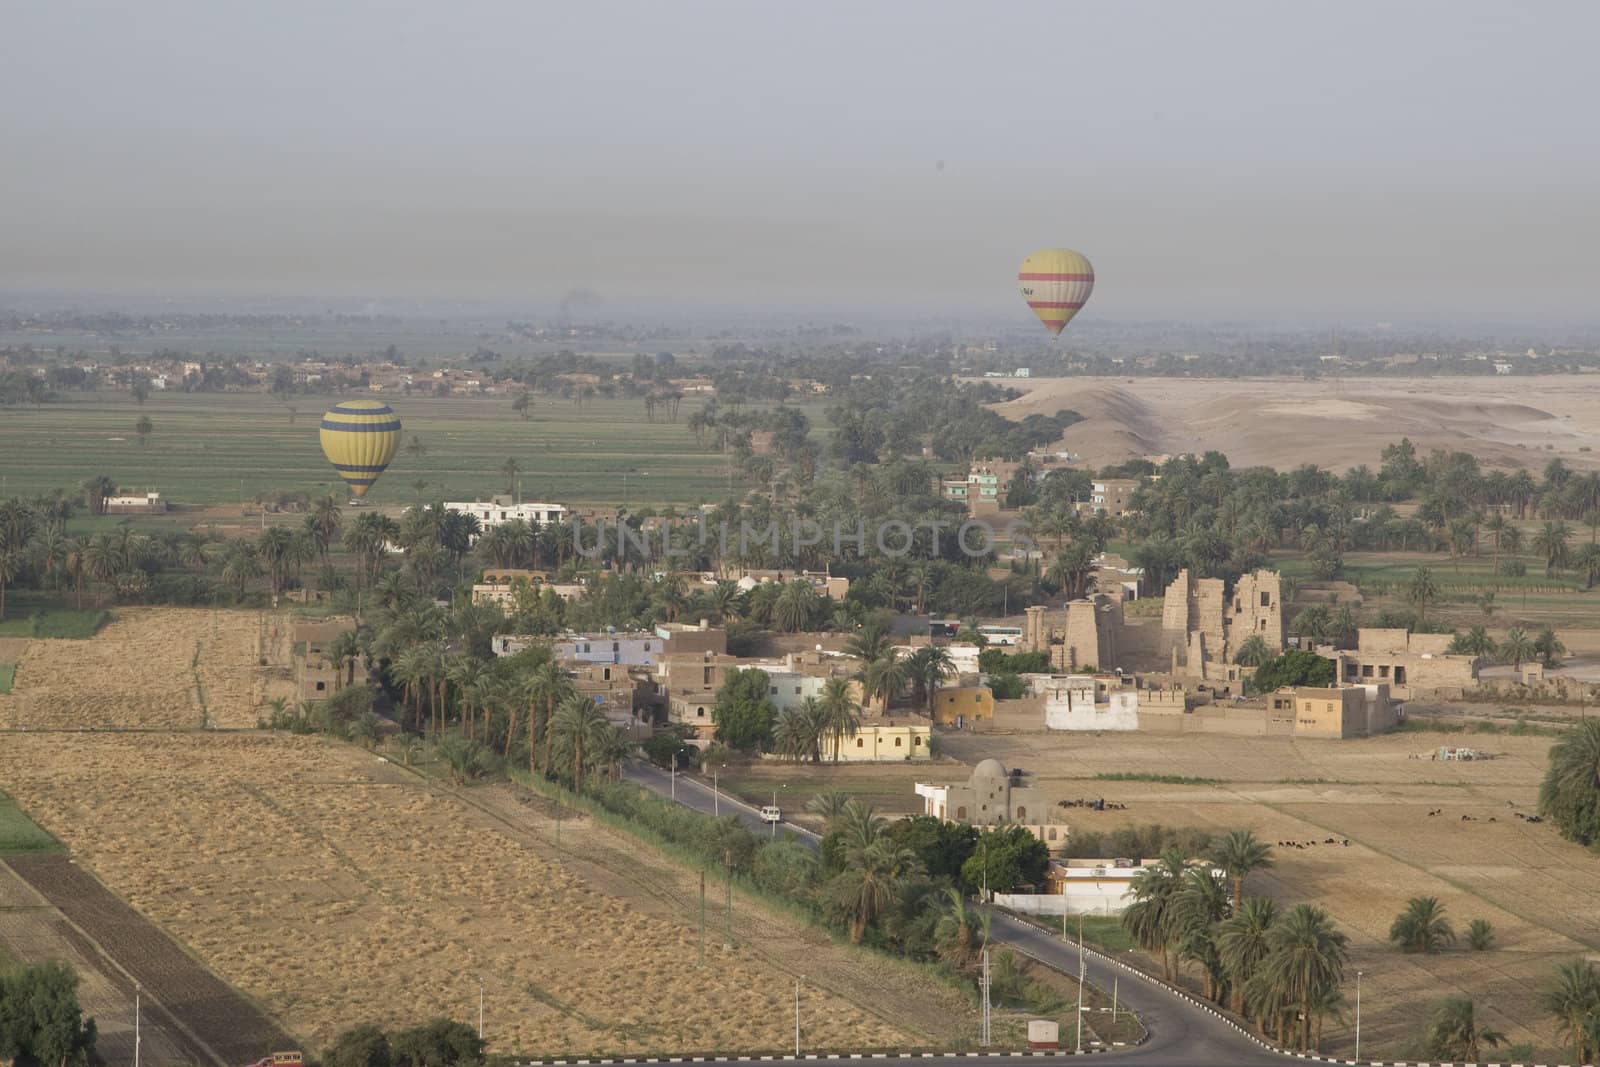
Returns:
(1182,1033)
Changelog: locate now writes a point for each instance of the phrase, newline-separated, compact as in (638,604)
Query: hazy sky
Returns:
(1335,157)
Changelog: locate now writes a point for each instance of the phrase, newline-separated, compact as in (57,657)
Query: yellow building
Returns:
(963,704)
(886,742)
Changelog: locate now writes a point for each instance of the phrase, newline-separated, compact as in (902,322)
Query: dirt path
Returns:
(218,1025)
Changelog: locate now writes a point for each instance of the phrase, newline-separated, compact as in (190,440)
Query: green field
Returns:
(18,833)
(222,448)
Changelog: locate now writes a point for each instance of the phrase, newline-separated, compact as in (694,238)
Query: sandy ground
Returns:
(1536,889)
(172,668)
(336,888)
(1282,422)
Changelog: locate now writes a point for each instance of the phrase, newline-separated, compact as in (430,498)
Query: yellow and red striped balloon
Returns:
(1056,283)
(360,437)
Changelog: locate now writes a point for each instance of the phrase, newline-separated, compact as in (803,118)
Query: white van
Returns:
(771,814)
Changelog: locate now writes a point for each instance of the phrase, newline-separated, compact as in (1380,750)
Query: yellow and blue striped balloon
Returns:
(360,437)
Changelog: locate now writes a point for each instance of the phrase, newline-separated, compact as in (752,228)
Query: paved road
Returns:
(1181,1032)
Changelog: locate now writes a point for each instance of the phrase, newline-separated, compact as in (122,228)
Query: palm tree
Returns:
(885,677)
(792,736)
(1517,647)
(1422,927)
(1238,853)
(1253,651)
(11,566)
(1149,920)
(870,881)
(241,565)
(870,642)
(928,667)
(1475,642)
(1570,791)
(1201,903)
(1551,543)
(1587,560)
(544,689)
(1480,934)
(795,607)
(1306,960)
(954,936)
(1454,1034)
(1573,997)
(1549,647)
(1420,591)
(345,649)
(511,468)
(829,805)
(1242,943)
(578,726)
(613,748)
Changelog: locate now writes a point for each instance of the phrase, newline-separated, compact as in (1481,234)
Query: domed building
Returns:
(993,796)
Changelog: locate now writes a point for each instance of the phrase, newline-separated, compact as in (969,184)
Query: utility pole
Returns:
(983,1037)
(480,1008)
(1080,981)
(1114,980)
(136,1034)
(797,1016)
(727,889)
(716,798)
(1358,1015)
(674,777)
(702,918)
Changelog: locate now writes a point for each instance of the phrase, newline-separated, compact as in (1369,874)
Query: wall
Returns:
(972,703)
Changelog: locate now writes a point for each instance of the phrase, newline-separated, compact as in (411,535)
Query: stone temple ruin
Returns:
(1197,638)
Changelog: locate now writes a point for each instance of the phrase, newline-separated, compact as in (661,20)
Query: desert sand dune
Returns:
(1283,422)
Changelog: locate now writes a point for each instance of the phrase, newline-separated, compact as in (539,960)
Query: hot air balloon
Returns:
(360,437)
(1056,283)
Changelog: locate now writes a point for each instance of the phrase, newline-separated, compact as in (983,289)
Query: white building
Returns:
(1081,702)
(1082,886)
(496,512)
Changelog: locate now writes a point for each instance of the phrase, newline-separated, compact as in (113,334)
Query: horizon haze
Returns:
(1325,160)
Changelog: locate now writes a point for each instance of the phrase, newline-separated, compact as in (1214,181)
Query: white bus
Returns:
(1001,635)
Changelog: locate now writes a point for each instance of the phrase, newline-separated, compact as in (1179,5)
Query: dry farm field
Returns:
(1537,890)
(154,668)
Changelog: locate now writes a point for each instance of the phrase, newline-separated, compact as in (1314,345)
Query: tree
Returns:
(885,678)
(1422,927)
(511,468)
(743,711)
(40,1018)
(1551,545)
(1573,997)
(1516,648)
(578,732)
(1569,795)
(1150,919)
(143,427)
(956,937)
(1242,944)
(1292,667)
(840,711)
(1475,642)
(1305,962)
(438,1043)
(521,404)
(1238,853)
(928,667)
(362,1046)
(796,607)
(1549,647)
(1587,560)
(1420,591)
(1005,859)
(1253,651)
(872,876)
(1454,1034)
(1480,934)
